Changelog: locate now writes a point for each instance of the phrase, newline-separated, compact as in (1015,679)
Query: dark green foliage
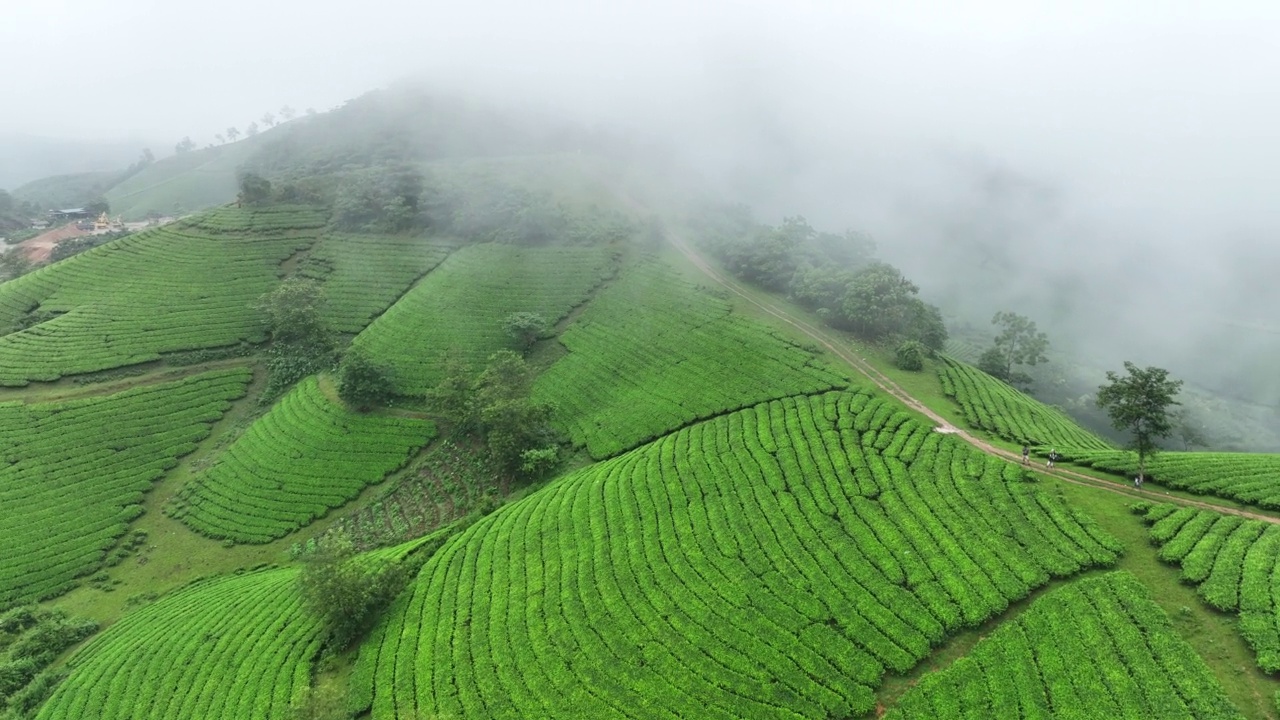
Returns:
(363,383)
(496,407)
(254,189)
(910,355)
(835,275)
(31,638)
(346,592)
(301,344)
(991,362)
(384,199)
(875,301)
(524,328)
(1139,403)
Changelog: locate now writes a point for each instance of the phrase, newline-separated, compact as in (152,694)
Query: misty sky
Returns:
(1130,104)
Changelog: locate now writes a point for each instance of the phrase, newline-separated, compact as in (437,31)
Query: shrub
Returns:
(910,355)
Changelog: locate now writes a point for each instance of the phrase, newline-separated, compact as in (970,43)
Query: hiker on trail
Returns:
(1053,457)
(1026,454)
(1137,481)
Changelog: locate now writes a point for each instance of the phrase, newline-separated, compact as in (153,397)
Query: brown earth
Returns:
(37,249)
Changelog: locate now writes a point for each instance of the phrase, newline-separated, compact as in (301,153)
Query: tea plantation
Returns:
(774,562)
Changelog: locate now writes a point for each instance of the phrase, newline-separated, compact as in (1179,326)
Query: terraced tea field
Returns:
(185,286)
(74,473)
(364,274)
(237,646)
(1233,562)
(1252,478)
(1098,648)
(774,562)
(993,405)
(461,304)
(653,354)
(307,455)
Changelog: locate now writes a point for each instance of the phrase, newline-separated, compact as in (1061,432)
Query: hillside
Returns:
(287,459)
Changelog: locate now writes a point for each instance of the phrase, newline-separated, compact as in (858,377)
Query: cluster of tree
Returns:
(1019,343)
(380,199)
(300,343)
(495,406)
(835,275)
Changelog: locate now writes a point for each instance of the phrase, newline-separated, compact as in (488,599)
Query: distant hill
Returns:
(182,183)
(62,191)
(24,158)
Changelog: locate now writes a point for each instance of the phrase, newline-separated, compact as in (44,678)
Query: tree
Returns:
(291,313)
(300,343)
(362,383)
(254,189)
(232,133)
(268,119)
(451,397)
(288,113)
(347,591)
(251,129)
(877,302)
(524,328)
(1019,343)
(184,145)
(1139,403)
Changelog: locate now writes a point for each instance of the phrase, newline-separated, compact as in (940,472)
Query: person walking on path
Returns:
(1137,481)
(1026,454)
(1053,457)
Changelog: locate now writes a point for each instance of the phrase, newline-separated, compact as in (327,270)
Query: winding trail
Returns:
(887,384)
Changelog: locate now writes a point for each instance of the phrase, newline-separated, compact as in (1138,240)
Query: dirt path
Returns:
(886,384)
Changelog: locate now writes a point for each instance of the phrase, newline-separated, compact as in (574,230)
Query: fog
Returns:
(1107,168)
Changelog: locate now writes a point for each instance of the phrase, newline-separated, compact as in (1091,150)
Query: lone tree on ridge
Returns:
(1140,404)
(1019,343)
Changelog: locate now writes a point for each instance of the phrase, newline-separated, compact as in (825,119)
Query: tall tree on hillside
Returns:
(232,133)
(1139,403)
(184,145)
(288,113)
(268,119)
(1019,343)
(251,129)
(219,138)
